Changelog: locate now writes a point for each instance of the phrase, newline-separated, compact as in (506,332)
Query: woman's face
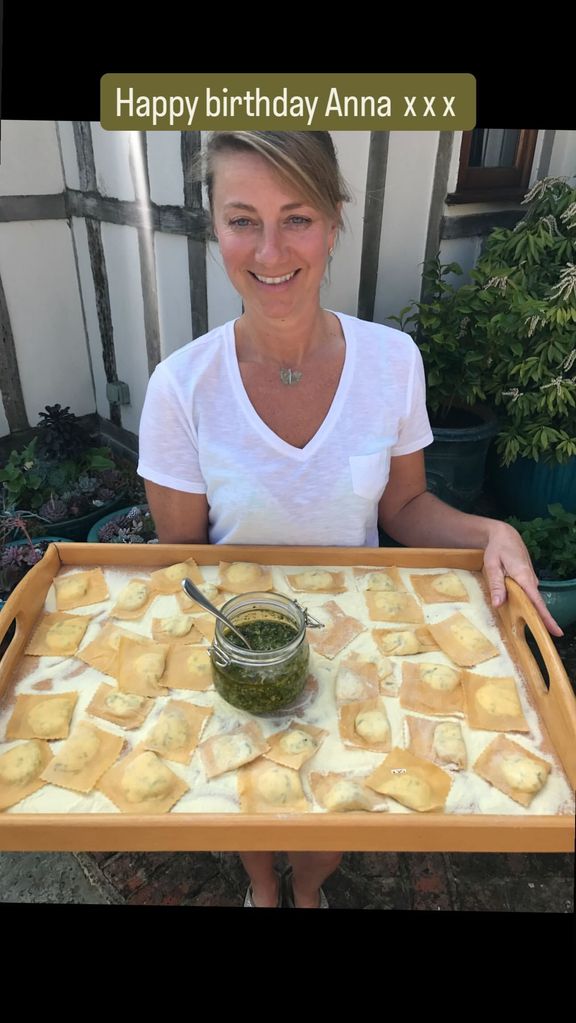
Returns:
(273,243)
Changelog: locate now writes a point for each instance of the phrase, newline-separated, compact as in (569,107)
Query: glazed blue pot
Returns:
(560,598)
(526,488)
(97,526)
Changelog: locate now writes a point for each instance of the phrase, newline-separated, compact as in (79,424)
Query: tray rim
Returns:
(356,832)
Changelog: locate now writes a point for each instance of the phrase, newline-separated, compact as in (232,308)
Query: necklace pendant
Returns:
(290,376)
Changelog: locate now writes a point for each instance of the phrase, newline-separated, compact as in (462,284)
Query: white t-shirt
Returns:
(199,433)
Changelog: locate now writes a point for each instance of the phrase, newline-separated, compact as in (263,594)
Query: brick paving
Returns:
(486,882)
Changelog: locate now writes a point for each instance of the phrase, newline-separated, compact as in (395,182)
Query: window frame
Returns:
(487,184)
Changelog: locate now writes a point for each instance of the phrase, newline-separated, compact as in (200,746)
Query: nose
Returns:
(270,245)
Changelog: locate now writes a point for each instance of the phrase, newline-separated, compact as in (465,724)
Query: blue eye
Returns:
(239,222)
(299,221)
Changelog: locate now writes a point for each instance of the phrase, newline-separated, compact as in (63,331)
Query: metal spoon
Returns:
(195,594)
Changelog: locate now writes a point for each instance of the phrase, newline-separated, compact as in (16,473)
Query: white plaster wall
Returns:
(88,298)
(173,292)
(125,286)
(30,159)
(165,167)
(39,276)
(111,156)
(409,180)
(68,154)
(224,302)
(341,290)
(563,159)
(4,428)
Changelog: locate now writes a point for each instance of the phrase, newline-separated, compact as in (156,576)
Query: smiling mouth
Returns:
(274,280)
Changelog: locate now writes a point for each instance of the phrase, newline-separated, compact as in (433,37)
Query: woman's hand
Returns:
(506,554)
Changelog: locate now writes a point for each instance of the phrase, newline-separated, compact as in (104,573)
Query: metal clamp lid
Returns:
(309,621)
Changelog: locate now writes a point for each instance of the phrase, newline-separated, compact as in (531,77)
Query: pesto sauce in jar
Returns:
(263,634)
(262,686)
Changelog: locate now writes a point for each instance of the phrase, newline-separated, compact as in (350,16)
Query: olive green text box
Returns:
(288,102)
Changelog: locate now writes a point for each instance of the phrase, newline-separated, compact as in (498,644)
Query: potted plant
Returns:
(551,542)
(62,476)
(444,325)
(18,550)
(127,525)
(527,278)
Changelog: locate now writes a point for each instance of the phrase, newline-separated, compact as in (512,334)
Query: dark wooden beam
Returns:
(171,219)
(10,383)
(146,248)
(190,150)
(373,207)
(33,207)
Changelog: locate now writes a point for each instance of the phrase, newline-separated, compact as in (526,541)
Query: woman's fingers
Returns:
(524,575)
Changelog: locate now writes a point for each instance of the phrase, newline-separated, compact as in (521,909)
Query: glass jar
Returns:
(265,680)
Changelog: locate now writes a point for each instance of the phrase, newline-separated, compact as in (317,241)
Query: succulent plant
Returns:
(134,526)
(60,435)
(87,484)
(54,510)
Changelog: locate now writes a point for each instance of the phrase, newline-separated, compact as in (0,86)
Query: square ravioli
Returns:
(78,589)
(188,667)
(83,758)
(102,652)
(345,793)
(41,717)
(142,783)
(430,688)
(365,725)
(133,600)
(244,577)
(229,750)
(317,580)
(266,787)
(445,587)
(178,630)
(384,606)
(359,679)
(404,642)
(340,629)
(493,703)
(411,781)
(177,731)
(128,710)
(294,745)
(58,634)
(512,769)
(440,741)
(140,668)
(462,642)
(20,770)
(169,580)
(379,580)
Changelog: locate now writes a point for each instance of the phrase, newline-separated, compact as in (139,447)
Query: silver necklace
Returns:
(290,376)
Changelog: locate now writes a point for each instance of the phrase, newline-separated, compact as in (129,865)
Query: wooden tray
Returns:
(555,704)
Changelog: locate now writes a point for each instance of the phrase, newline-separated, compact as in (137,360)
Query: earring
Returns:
(331,251)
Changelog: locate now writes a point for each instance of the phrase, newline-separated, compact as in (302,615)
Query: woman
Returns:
(293,424)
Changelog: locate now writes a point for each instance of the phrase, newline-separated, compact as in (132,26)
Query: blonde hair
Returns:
(304,159)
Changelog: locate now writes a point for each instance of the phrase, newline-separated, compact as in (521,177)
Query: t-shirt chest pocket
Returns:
(370,474)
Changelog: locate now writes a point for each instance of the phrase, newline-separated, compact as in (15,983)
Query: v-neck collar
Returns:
(331,418)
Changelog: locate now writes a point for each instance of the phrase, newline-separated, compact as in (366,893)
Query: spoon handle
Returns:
(197,595)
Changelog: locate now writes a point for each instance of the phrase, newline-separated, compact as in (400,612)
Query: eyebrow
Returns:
(252,209)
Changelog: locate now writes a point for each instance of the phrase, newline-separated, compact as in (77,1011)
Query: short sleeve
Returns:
(168,442)
(414,432)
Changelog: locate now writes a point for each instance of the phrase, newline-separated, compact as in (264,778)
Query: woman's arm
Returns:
(178,517)
(409,514)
